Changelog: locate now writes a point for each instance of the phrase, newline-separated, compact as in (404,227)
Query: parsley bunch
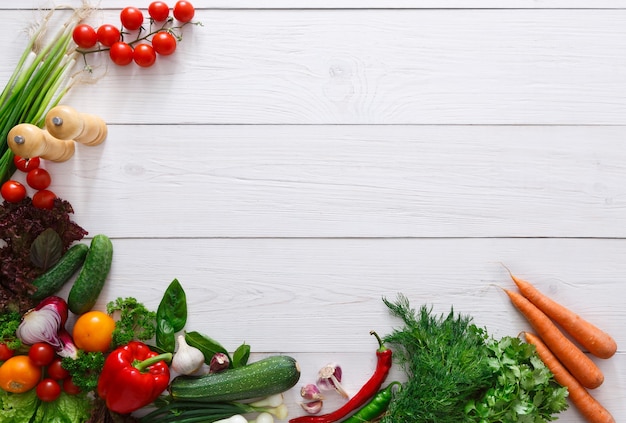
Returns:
(9,322)
(85,369)
(457,373)
(523,388)
(135,321)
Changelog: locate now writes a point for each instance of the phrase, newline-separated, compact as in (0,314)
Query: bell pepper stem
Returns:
(143,365)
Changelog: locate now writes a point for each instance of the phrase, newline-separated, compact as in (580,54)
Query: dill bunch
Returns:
(445,360)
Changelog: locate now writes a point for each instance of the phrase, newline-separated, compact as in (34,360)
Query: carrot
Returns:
(579,365)
(588,406)
(596,341)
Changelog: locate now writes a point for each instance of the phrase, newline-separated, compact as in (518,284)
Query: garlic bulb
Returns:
(187,359)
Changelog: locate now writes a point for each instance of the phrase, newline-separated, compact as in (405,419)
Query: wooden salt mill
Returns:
(65,123)
(28,141)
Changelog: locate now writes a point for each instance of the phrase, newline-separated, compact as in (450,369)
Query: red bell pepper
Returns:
(133,376)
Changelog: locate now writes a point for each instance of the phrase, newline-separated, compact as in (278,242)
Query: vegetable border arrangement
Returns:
(127,363)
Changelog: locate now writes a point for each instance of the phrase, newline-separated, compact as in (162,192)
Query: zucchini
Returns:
(54,278)
(90,280)
(268,376)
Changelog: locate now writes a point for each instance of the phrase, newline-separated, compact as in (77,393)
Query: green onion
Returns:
(41,78)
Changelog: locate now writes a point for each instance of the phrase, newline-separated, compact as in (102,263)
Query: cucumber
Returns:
(54,278)
(90,280)
(268,376)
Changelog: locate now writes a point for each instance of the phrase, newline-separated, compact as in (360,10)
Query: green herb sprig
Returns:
(445,359)
(523,388)
(85,369)
(135,321)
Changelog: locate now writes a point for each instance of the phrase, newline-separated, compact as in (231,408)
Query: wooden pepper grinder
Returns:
(28,141)
(65,123)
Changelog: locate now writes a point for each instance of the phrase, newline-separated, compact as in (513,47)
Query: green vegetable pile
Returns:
(457,373)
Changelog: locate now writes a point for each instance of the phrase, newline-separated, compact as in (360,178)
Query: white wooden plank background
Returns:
(294,162)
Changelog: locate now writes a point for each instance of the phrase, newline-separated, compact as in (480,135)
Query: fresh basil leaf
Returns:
(208,346)
(173,306)
(241,355)
(46,249)
(165,336)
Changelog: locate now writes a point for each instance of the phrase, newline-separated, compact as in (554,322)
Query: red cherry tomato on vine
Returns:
(56,371)
(159,11)
(69,387)
(164,43)
(44,199)
(144,55)
(5,352)
(84,36)
(26,165)
(48,390)
(38,178)
(184,11)
(121,53)
(108,35)
(41,354)
(132,18)
(13,191)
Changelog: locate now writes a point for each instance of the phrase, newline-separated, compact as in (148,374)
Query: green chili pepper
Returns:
(376,407)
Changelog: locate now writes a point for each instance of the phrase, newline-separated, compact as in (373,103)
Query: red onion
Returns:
(43,323)
(68,348)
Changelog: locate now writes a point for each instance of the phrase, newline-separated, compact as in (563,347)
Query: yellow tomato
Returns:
(93,331)
(19,374)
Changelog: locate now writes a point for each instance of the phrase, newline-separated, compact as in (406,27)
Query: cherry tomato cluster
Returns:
(143,50)
(41,370)
(54,377)
(37,178)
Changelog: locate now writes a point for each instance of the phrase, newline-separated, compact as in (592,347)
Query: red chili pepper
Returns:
(133,376)
(367,391)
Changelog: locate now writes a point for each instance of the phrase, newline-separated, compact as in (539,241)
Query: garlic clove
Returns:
(219,362)
(329,377)
(312,407)
(311,392)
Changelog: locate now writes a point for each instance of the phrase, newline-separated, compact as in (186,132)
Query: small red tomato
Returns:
(164,43)
(184,11)
(108,35)
(132,18)
(84,36)
(144,55)
(121,53)
(56,371)
(69,387)
(159,11)
(25,164)
(41,353)
(5,352)
(44,199)
(48,390)
(13,191)
(38,178)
